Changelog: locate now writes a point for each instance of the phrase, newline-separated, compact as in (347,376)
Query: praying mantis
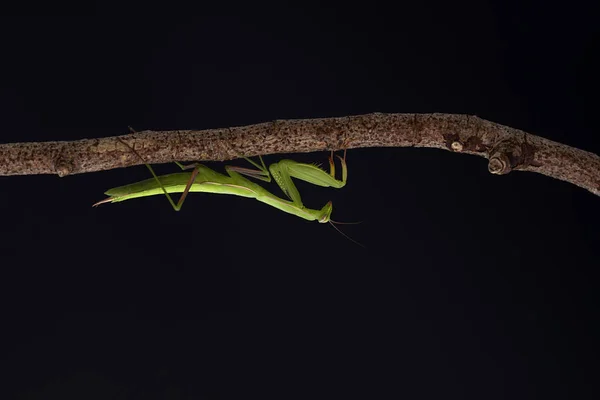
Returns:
(204,179)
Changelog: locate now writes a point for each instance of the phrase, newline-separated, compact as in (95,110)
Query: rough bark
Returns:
(506,148)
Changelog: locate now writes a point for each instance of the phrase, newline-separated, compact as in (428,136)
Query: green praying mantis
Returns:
(204,179)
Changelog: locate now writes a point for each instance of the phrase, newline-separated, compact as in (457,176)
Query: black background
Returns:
(470,286)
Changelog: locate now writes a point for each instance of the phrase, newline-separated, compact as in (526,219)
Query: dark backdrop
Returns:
(470,286)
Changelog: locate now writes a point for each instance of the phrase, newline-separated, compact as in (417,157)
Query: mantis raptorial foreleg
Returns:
(285,170)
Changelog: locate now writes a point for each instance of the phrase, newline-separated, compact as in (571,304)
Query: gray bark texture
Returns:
(507,149)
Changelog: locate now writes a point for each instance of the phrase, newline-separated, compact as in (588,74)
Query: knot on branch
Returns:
(457,144)
(511,154)
(63,165)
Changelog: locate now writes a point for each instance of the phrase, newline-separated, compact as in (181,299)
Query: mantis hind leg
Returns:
(177,206)
(183,196)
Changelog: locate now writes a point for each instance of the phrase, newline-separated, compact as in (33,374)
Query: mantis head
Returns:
(325,214)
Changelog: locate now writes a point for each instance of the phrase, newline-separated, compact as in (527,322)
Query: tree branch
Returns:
(507,149)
